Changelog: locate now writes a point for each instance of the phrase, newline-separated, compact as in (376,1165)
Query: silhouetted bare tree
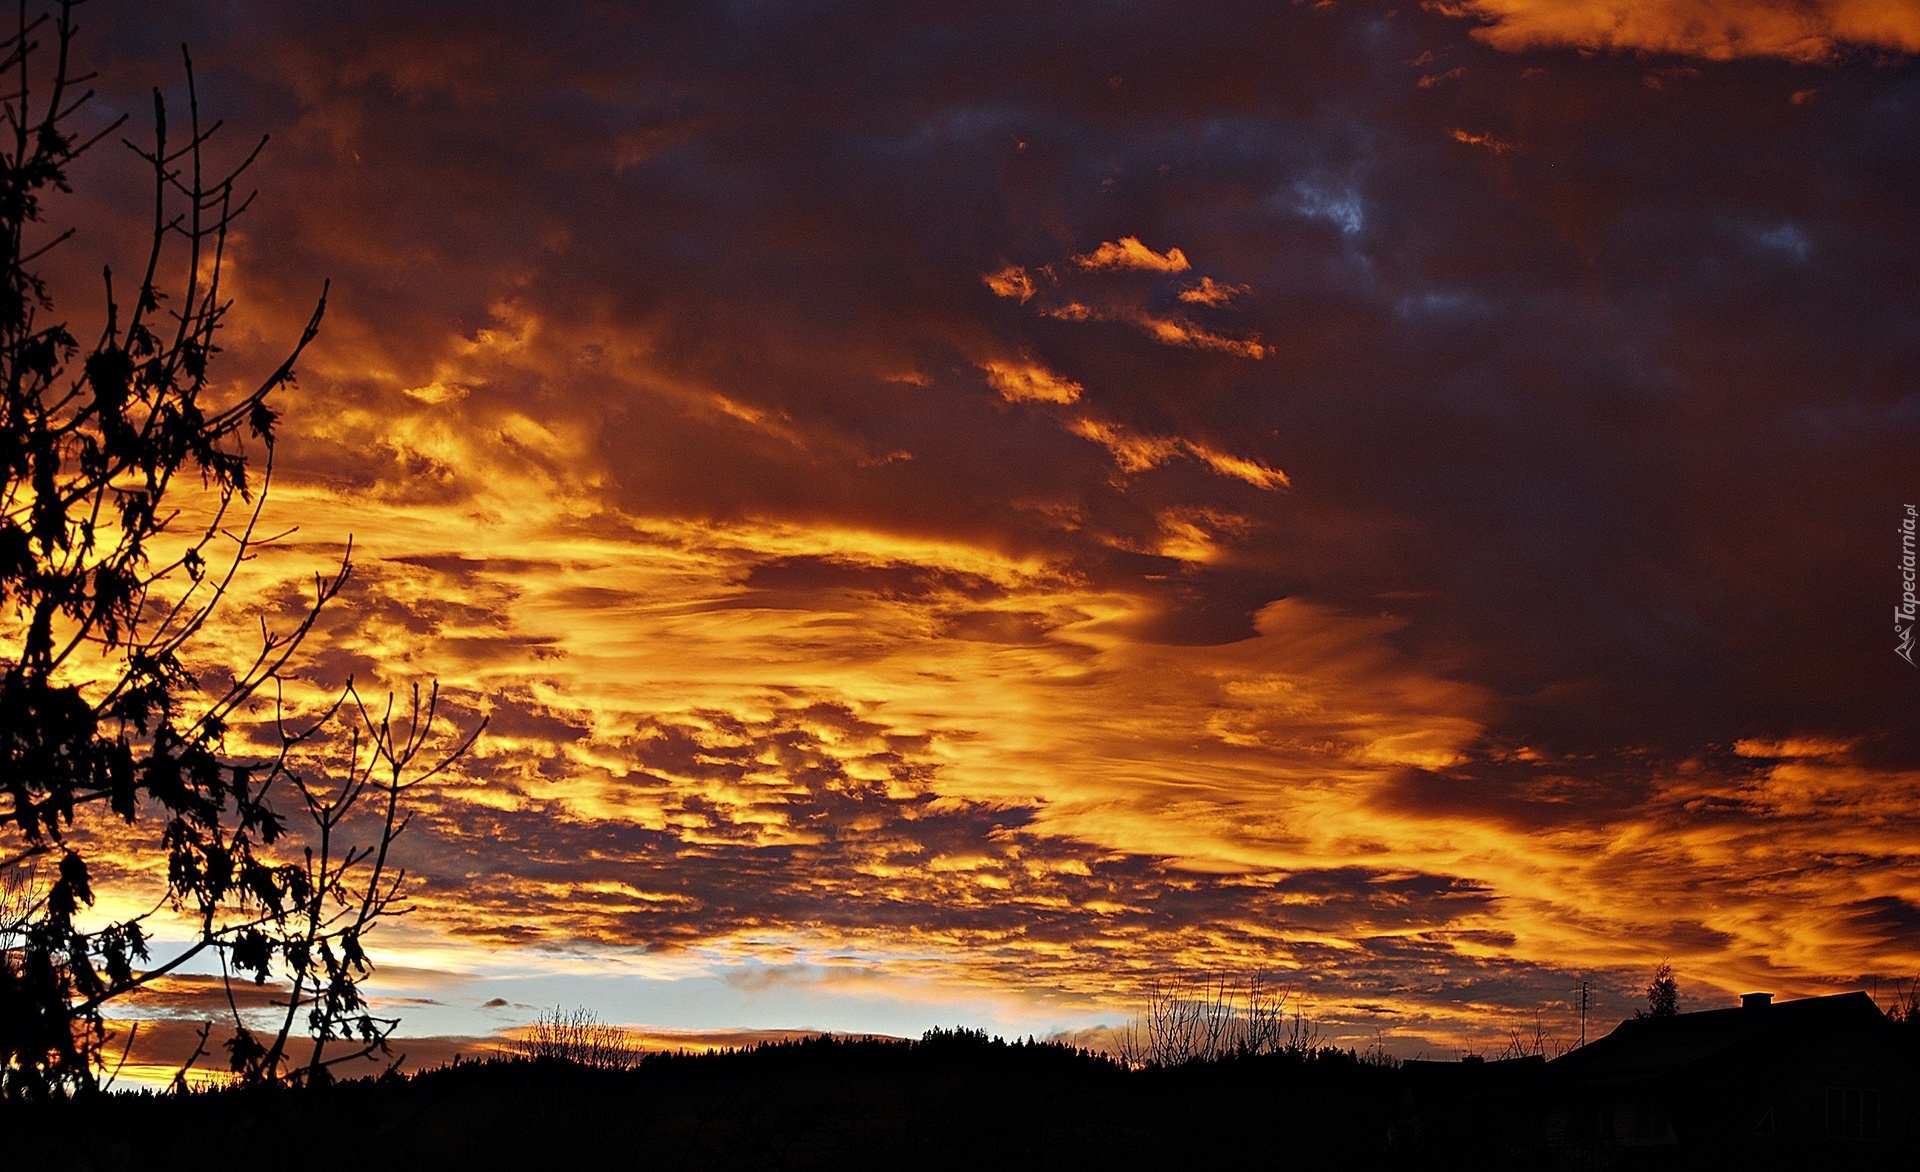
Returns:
(577,1035)
(128,501)
(1904,1011)
(1537,1042)
(1213,1018)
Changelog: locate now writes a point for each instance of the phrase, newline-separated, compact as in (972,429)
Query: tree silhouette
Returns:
(1212,1018)
(1663,994)
(577,1035)
(131,485)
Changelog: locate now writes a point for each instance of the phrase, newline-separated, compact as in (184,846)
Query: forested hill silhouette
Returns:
(954,1099)
(1825,1082)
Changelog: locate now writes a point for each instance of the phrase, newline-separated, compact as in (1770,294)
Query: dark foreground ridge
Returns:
(955,1099)
(1745,1088)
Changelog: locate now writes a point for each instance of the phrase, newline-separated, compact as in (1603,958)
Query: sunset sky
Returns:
(956,512)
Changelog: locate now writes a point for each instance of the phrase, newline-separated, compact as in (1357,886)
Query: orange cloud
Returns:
(1240,468)
(1790,748)
(1131,450)
(1029,382)
(1211,292)
(1137,452)
(1797,30)
(1016,283)
(1129,253)
(1011,281)
(1174,332)
(1487,141)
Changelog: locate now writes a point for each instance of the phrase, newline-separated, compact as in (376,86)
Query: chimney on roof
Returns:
(1755,1000)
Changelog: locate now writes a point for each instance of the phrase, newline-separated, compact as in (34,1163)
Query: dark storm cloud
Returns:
(1586,399)
(807,576)
(1523,795)
(1887,916)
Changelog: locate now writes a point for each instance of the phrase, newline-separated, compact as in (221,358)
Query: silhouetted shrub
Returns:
(1212,1018)
(579,1036)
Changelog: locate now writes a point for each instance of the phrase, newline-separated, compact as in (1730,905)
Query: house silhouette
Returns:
(1819,1082)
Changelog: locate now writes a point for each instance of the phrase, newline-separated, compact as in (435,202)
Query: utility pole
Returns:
(1585,1000)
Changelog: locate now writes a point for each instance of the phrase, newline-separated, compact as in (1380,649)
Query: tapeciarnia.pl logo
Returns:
(1903,614)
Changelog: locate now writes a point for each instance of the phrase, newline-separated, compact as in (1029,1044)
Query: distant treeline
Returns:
(954,1099)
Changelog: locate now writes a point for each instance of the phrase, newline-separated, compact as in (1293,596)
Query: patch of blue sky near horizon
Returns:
(438,988)
(458,1001)
(454,1001)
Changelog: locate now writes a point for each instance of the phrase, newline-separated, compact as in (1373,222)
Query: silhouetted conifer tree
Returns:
(1663,994)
